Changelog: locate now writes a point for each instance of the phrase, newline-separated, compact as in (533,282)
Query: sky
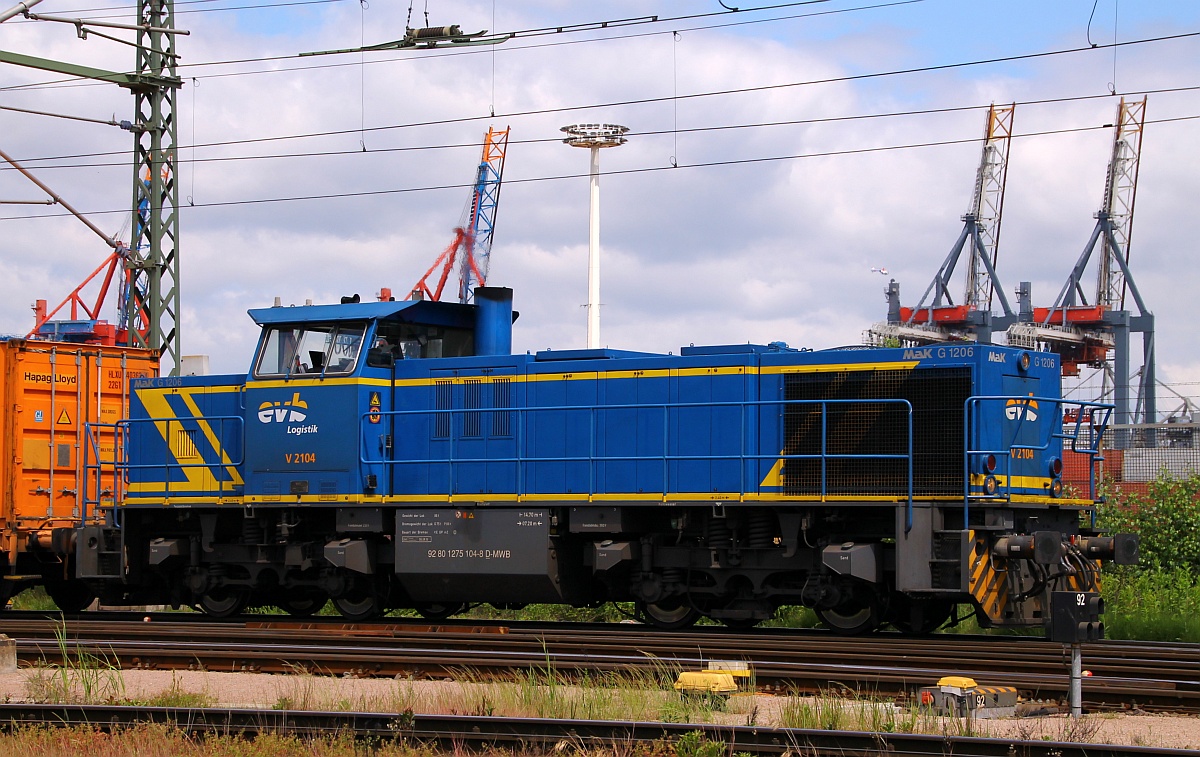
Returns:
(751,203)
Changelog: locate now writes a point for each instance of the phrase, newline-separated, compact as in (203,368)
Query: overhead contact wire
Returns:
(630,171)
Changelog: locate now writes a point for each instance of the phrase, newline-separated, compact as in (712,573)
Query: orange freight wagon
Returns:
(51,390)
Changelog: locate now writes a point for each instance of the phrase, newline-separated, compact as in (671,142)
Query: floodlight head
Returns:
(595,135)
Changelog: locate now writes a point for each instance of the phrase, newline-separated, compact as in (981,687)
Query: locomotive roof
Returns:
(416,311)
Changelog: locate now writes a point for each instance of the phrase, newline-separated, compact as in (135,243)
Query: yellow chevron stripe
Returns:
(774,477)
(198,478)
(986,583)
(206,428)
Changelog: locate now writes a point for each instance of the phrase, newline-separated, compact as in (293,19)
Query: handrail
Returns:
(91,451)
(593,459)
(125,465)
(973,408)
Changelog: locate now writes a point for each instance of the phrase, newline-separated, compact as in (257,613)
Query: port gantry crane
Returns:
(471,248)
(1082,332)
(939,319)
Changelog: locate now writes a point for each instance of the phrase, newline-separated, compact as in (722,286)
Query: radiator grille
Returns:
(867,427)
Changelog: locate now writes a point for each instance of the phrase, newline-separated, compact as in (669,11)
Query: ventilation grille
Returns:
(870,427)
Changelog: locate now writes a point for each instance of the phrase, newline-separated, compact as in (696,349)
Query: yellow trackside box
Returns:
(51,390)
(959,696)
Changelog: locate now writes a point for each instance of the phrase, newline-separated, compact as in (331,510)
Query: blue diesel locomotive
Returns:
(397,455)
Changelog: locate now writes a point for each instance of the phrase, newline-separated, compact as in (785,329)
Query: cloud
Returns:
(712,251)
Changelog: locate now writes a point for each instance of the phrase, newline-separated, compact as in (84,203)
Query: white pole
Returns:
(594,136)
(593,306)
(1075,694)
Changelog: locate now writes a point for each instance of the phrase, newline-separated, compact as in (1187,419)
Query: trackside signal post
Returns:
(1074,619)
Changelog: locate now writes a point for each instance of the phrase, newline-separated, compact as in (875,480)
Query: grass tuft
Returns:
(81,678)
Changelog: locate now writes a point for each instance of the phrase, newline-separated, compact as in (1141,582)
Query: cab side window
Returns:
(310,349)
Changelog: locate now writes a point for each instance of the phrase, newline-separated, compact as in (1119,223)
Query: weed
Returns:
(821,712)
(1081,730)
(696,744)
(177,696)
(82,678)
(34,600)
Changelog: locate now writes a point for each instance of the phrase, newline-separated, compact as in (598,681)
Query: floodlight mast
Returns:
(594,137)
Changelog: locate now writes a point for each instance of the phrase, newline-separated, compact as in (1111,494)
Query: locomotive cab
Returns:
(320,394)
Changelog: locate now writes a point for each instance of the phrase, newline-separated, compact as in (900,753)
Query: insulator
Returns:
(437,31)
(718,534)
(761,529)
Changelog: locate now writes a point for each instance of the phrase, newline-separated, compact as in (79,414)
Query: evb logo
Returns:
(1016,410)
(292,411)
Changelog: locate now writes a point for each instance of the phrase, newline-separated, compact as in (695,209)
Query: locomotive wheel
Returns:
(224,602)
(668,615)
(303,604)
(438,611)
(918,615)
(70,596)
(358,605)
(858,614)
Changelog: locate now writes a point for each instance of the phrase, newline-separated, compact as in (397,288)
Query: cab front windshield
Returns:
(311,349)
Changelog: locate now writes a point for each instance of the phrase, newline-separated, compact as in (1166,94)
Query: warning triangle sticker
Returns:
(63,418)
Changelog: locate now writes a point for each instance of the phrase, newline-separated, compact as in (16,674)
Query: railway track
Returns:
(1151,676)
(474,733)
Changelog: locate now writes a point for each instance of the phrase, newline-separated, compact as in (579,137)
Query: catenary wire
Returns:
(620,172)
(77,13)
(699,95)
(444,52)
(547,140)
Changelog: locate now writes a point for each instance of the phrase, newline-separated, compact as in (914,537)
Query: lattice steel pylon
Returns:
(940,319)
(150,312)
(1120,193)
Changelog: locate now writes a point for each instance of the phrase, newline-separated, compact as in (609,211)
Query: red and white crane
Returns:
(470,250)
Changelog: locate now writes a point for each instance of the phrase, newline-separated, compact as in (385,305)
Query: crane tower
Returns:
(939,319)
(1083,332)
(471,249)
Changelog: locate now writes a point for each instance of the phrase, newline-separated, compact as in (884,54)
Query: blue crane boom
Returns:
(471,248)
